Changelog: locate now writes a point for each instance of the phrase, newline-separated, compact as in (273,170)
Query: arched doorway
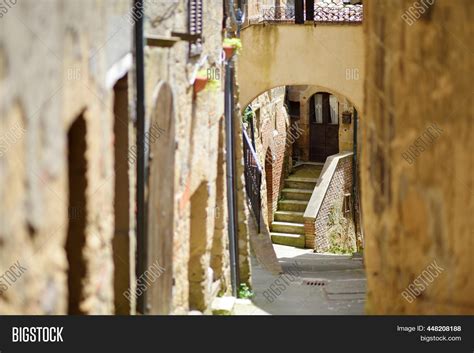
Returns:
(160,142)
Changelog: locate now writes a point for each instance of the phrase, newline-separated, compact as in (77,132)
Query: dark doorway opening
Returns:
(76,232)
(122,252)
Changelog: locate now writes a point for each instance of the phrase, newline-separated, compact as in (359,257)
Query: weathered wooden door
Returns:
(160,192)
(324,127)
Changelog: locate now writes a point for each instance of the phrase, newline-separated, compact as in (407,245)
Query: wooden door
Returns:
(324,127)
(160,191)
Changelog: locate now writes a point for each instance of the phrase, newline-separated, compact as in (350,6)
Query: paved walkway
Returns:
(336,285)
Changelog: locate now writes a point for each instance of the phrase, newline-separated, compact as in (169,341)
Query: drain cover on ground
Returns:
(314,282)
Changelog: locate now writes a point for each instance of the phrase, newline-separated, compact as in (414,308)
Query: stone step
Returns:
(292,205)
(300,183)
(297,194)
(296,240)
(223,305)
(289,216)
(287,227)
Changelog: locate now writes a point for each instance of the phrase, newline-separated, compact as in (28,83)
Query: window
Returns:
(334,110)
(195,26)
(324,109)
(318,108)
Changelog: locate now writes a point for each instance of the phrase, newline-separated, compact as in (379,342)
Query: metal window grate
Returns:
(195,26)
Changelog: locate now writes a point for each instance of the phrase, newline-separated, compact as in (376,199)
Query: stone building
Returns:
(417,166)
(64,97)
(69,155)
(189,163)
(309,193)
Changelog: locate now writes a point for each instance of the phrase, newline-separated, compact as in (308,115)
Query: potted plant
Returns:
(232,46)
(213,85)
(205,81)
(248,115)
(201,81)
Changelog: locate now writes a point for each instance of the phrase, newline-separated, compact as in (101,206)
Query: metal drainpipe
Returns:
(142,255)
(230,169)
(355,181)
(231,197)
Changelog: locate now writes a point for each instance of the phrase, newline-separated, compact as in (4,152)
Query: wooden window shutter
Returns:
(195,25)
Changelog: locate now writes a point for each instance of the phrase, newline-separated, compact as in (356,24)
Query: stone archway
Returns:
(303,95)
(330,55)
(160,141)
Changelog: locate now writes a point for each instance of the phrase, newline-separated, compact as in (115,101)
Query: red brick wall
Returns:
(316,233)
(271,117)
(274,161)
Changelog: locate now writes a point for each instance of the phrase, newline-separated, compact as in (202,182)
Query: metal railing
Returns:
(323,12)
(253,178)
(278,13)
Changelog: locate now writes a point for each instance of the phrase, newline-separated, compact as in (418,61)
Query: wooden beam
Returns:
(299,11)
(309,10)
(161,41)
(187,36)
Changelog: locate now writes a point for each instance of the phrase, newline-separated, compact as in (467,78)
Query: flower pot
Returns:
(229,51)
(200,84)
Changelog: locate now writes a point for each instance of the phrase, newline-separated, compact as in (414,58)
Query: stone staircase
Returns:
(288,225)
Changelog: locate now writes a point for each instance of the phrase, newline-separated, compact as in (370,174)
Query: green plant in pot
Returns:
(232,46)
(213,84)
(204,82)
(201,81)
(248,115)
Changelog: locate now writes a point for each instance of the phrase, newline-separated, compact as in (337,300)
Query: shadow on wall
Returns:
(197,269)
(76,233)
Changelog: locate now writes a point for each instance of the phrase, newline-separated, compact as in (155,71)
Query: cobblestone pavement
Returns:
(312,284)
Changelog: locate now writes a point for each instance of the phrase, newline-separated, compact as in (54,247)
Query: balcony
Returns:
(323,13)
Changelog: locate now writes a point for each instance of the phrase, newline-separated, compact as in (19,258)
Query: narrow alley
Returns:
(236,157)
(312,284)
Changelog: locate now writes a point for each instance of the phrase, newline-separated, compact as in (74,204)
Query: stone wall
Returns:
(332,220)
(331,229)
(271,124)
(243,213)
(68,158)
(333,58)
(417,166)
(198,135)
(57,74)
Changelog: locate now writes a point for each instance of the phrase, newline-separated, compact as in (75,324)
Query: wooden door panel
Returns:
(332,140)
(324,136)
(318,141)
(160,190)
